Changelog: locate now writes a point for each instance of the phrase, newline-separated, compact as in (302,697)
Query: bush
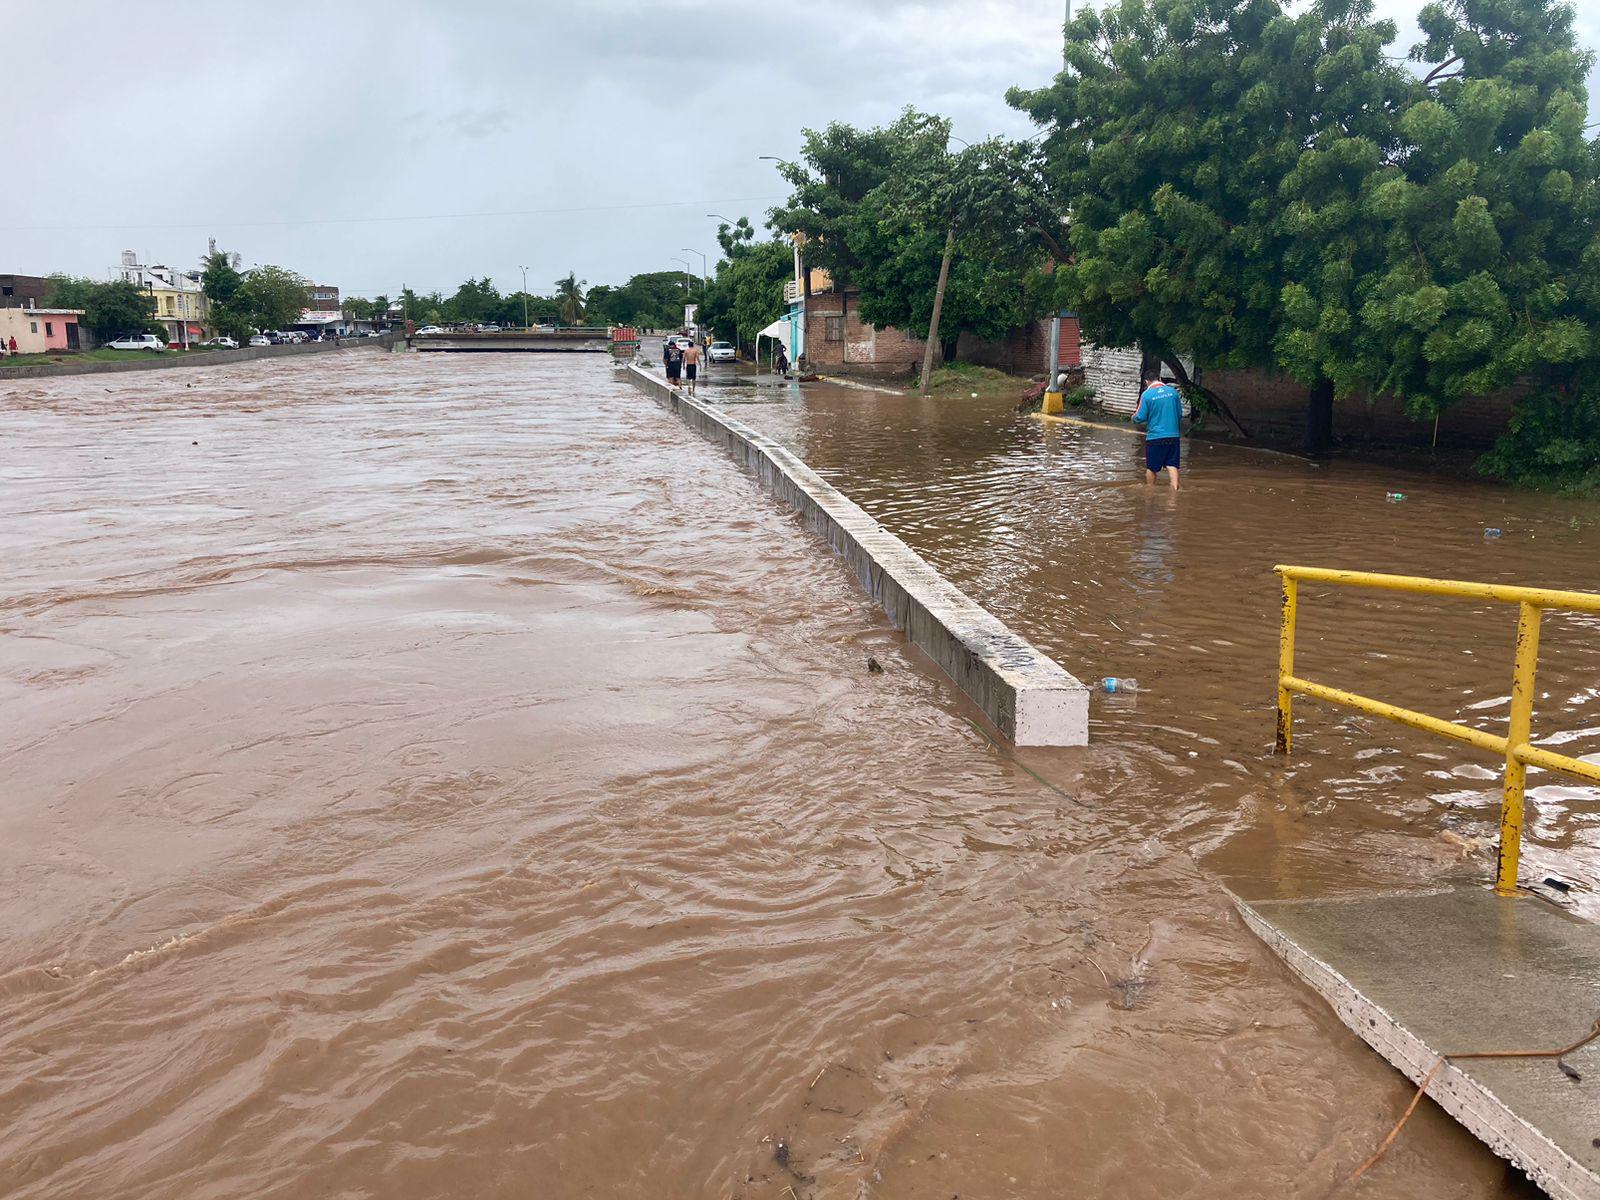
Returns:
(1079,396)
(1553,441)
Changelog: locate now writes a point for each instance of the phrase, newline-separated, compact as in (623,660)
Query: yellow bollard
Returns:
(1286,665)
(1054,405)
(1517,739)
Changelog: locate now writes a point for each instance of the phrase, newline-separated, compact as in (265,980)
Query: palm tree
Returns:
(569,294)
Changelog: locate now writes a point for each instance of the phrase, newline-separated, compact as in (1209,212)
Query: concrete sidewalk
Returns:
(1420,975)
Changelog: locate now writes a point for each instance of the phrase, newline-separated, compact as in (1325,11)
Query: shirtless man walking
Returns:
(691,365)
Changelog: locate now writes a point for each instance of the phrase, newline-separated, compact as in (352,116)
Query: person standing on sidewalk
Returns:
(673,356)
(1161,413)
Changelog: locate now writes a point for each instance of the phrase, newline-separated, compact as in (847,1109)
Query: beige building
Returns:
(181,304)
(37,330)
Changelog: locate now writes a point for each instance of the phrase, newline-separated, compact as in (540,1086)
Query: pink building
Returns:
(38,330)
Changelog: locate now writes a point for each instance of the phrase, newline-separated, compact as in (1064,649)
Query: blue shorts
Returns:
(1160,453)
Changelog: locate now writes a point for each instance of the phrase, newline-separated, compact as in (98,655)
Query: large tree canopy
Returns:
(109,309)
(877,208)
(1174,142)
(747,292)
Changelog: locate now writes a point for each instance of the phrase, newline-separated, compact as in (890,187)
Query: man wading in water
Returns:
(1160,412)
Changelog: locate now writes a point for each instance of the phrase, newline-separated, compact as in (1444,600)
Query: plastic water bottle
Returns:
(1394,497)
(1112,684)
(1492,532)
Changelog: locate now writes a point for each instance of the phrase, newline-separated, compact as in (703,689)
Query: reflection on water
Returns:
(434,777)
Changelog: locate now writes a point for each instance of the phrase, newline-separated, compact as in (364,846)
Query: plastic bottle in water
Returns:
(1492,532)
(1112,684)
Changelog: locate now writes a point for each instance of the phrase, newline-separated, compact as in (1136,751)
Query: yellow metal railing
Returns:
(1513,748)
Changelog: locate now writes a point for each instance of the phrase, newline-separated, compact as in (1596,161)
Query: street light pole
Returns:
(705,277)
(524,297)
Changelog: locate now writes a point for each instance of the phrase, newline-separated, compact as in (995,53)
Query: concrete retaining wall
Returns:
(1027,695)
(143,361)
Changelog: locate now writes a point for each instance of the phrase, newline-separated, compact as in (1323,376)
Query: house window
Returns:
(49,329)
(835,331)
(33,327)
(8,290)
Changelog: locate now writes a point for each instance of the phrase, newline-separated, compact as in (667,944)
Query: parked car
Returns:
(681,341)
(223,343)
(722,352)
(261,339)
(137,341)
(429,329)
(488,329)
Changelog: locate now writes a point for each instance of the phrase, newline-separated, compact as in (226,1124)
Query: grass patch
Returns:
(959,380)
(52,357)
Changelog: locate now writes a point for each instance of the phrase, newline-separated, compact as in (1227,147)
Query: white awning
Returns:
(780,330)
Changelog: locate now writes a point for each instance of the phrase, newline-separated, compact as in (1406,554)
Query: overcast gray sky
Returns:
(594,133)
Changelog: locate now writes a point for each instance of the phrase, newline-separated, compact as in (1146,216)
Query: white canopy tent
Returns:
(779,331)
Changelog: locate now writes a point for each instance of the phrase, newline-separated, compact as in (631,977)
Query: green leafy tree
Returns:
(109,309)
(569,293)
(1172,141)
(652,300)
(746,294)
(222,283)
(475,302)
(273,297)
(1493,266)
(934,241)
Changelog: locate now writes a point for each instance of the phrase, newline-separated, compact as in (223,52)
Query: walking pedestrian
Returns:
(674,361)
(691,365)
(781,363)
(13,343)
(1161,413)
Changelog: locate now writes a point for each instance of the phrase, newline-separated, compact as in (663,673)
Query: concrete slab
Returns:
(1420,975)
(1026,694)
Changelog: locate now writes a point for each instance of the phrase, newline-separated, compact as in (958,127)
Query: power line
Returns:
(510,212)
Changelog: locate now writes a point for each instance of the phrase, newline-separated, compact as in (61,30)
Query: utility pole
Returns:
(524,297)
(1055,320)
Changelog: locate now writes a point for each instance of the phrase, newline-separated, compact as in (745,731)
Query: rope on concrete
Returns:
(1422,1088)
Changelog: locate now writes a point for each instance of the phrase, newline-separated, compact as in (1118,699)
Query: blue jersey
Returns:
(1160,411)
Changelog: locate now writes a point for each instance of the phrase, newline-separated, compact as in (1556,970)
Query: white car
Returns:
(137,341)
(261,339)
(722,352)
(488,329)
(429,329)
(223,343)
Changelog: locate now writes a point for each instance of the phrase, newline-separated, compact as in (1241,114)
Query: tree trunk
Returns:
(1175,365)
(938,304)
(1319,417)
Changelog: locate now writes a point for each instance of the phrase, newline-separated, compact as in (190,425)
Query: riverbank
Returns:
(145,361)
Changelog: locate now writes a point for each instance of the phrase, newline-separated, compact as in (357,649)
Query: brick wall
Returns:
(1273,406)
(1025,350)
(860,348)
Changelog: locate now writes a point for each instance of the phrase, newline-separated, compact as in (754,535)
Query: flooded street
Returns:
(450,776)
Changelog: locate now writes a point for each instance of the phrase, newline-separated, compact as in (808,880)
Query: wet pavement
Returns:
(437,777)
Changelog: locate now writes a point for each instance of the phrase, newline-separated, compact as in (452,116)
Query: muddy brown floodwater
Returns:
(427,777)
